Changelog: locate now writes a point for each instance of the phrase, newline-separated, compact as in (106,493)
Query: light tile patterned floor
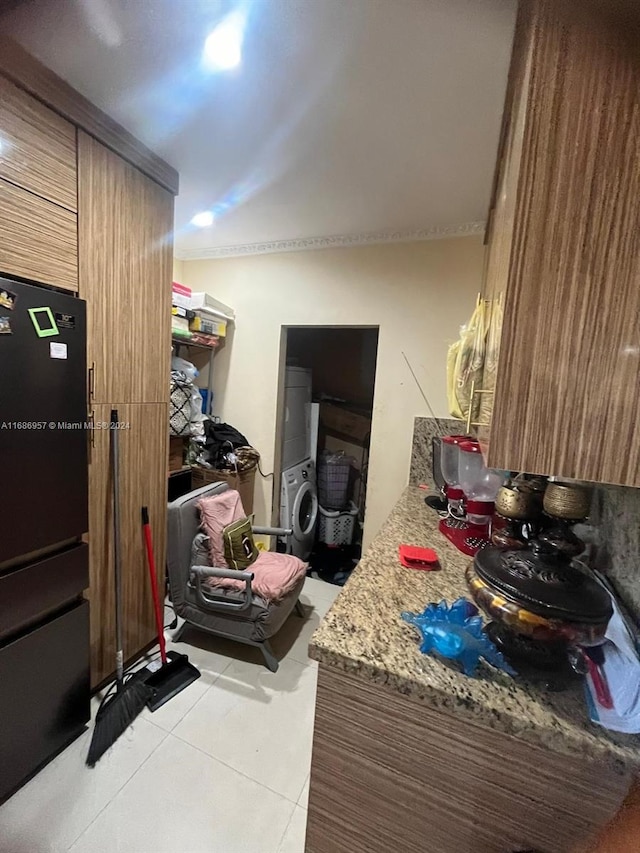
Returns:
(221,768)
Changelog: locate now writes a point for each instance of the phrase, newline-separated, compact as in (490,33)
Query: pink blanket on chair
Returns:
(275,575)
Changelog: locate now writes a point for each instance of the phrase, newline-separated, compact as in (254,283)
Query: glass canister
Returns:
(450,468)
(470,466)
(480,484)
(449,458)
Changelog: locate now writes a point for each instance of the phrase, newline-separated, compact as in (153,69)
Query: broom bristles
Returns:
(115,717)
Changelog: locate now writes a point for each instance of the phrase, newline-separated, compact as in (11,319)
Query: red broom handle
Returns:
(151,563)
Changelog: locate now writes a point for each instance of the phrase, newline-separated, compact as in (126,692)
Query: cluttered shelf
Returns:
(197,319)
(187,342)
(201,449)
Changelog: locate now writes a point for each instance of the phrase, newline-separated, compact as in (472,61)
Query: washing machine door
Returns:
(305,511)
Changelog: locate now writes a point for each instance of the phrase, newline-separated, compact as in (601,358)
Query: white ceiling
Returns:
(347,118)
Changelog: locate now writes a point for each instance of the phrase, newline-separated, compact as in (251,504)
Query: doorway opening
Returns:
(325,408)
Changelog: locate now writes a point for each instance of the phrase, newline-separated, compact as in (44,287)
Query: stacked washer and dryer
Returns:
(298,492)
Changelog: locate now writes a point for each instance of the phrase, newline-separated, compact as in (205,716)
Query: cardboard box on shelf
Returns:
(180,295)
(243,482)
(353,425)
(211,306)
(176,452)
(208,325)
(178,311)
(179,324)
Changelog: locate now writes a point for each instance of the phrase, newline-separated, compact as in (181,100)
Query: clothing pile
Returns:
(224,448)
(220,440)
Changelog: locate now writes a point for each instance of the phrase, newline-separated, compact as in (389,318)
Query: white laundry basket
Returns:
(335,527)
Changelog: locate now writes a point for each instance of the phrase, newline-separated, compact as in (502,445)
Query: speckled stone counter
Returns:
(363,635)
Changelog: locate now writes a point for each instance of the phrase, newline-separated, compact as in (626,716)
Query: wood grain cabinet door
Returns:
(37,147)
(143,449)
(500,222)
(567,398)
(125,259)
(38,239)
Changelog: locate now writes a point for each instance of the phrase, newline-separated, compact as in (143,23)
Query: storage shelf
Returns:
(187,343)
(179,470)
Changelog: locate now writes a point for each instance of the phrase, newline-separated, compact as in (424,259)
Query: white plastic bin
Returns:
(335,527)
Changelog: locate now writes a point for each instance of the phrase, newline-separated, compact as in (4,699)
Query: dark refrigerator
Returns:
(44,620)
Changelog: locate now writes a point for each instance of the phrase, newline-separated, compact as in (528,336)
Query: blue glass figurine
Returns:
(456,633)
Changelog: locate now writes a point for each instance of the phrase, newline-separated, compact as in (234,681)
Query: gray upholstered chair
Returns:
(241,616)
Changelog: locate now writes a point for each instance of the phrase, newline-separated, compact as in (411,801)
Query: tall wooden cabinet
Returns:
(86,207)
(125,257)
(563,267)
(125,267)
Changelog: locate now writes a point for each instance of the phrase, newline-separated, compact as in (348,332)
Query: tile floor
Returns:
(221,768)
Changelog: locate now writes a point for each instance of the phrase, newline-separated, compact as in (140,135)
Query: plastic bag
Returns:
(465,364)
(188,368)
(197,417)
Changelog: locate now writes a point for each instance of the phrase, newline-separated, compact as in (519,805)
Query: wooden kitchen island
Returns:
(409,755)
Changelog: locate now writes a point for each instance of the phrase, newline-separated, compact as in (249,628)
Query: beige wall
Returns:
(418,293)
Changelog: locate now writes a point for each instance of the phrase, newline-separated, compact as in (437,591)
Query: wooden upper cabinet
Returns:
(125,265)
(564,248)
(38,239)
(37,147)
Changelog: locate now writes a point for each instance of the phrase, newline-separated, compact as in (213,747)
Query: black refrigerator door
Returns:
(43,410)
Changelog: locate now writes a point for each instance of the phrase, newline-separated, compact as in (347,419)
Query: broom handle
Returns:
(115,462)
(151,563)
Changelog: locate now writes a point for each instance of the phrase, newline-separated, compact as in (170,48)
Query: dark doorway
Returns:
(341,362)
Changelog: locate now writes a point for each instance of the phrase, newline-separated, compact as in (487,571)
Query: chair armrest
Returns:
(273,531)
(212,572)
(208,600)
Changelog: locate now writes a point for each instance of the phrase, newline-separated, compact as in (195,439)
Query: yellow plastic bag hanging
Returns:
(465,363)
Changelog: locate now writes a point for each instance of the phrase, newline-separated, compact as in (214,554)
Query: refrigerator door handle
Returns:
(92,382)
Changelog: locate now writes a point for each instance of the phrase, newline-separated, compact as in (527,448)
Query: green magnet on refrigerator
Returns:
(50,328)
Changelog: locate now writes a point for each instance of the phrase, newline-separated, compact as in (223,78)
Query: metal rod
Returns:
(443,430)
(117,567)
(210,384)
(470,412)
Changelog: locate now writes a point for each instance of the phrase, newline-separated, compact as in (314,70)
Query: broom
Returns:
(118,711)
(175,672)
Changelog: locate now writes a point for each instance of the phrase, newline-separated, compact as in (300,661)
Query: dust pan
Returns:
(174,672)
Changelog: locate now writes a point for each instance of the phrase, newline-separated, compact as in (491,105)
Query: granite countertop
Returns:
(363,634)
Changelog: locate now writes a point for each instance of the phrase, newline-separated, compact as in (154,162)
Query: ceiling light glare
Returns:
(223,46)
(203,219)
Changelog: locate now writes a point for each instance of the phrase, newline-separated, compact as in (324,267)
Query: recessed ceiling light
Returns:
(223,46)
(203,219)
